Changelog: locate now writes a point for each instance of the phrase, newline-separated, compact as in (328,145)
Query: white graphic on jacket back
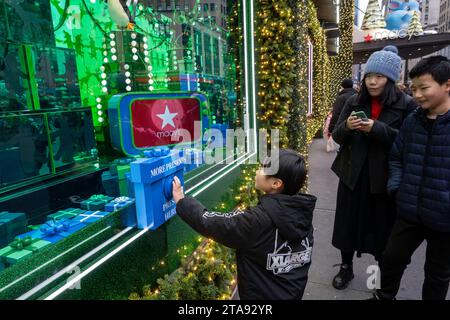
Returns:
(211,214)
(283,260)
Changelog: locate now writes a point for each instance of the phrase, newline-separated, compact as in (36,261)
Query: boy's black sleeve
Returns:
(396,160)
(235,229)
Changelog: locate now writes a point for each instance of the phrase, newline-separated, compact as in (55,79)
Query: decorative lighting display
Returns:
(283,29)
(341,65)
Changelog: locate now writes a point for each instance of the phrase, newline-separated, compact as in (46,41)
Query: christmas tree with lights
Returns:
(415,27)
(373,19)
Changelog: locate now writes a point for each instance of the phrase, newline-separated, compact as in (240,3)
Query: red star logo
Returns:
(368,38)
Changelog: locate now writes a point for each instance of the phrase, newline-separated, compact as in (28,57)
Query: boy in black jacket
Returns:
(419,176)
(273,240)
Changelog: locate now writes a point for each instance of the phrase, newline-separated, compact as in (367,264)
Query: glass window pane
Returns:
(57,78)
(72,138)
(27,22)
(14,93)
(183,70)
(24,150)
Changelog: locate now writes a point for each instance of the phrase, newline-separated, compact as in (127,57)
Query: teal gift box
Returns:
(96,202)
(65,214)
(20,249)
(11,225)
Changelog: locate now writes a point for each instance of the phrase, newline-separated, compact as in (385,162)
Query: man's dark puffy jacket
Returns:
(273,242)
(419,171)
(338,105)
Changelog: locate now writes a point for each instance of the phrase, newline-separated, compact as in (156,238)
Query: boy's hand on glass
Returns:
(366,126)
(353,123)
(177,190)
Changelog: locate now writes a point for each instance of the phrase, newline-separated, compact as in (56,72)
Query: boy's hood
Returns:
(292,215)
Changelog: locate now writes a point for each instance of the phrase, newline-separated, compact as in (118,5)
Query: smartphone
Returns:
(360,114)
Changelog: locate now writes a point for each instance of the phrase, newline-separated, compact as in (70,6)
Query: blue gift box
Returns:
(90,216)
(152,177)
(118,203)
(130,185)
(54,231)
(128,210)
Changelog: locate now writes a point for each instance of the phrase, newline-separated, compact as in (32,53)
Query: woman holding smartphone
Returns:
(365,130)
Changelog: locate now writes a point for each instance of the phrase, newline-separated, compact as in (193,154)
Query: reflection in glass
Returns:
(33,145)
(23,148)
(57,78)
(12,79)
(72,137)
(26,21)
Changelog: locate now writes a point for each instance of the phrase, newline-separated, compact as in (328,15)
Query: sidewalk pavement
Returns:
(323,184)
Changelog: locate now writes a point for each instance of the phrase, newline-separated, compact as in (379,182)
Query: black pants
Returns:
(406,237)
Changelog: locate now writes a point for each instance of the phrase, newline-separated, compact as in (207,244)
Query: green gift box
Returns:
(122,170)
(65,214)
(38,245)
(4,252)
(20,249)
(101,197)
(16,256)
(96,202)
(93,205)
(28,243)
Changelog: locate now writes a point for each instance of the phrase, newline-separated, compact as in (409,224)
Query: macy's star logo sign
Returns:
(167,117)
(368,38)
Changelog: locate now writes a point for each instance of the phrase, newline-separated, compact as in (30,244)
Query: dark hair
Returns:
(291,170)
(347,84)
(437,66)
(389,95)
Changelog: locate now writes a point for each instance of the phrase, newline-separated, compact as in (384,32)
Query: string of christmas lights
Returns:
(341,65)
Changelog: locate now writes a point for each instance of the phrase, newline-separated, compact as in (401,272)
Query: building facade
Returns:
(444,23)
(430,10)
(206,37)
(444,16)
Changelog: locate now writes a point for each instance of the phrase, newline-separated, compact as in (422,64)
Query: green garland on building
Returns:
(341,65)
(321,74)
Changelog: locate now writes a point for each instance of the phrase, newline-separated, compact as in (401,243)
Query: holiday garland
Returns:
(208,274)
(322,71)
(341,65)
(234,41)
(277,67)
(297,121)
